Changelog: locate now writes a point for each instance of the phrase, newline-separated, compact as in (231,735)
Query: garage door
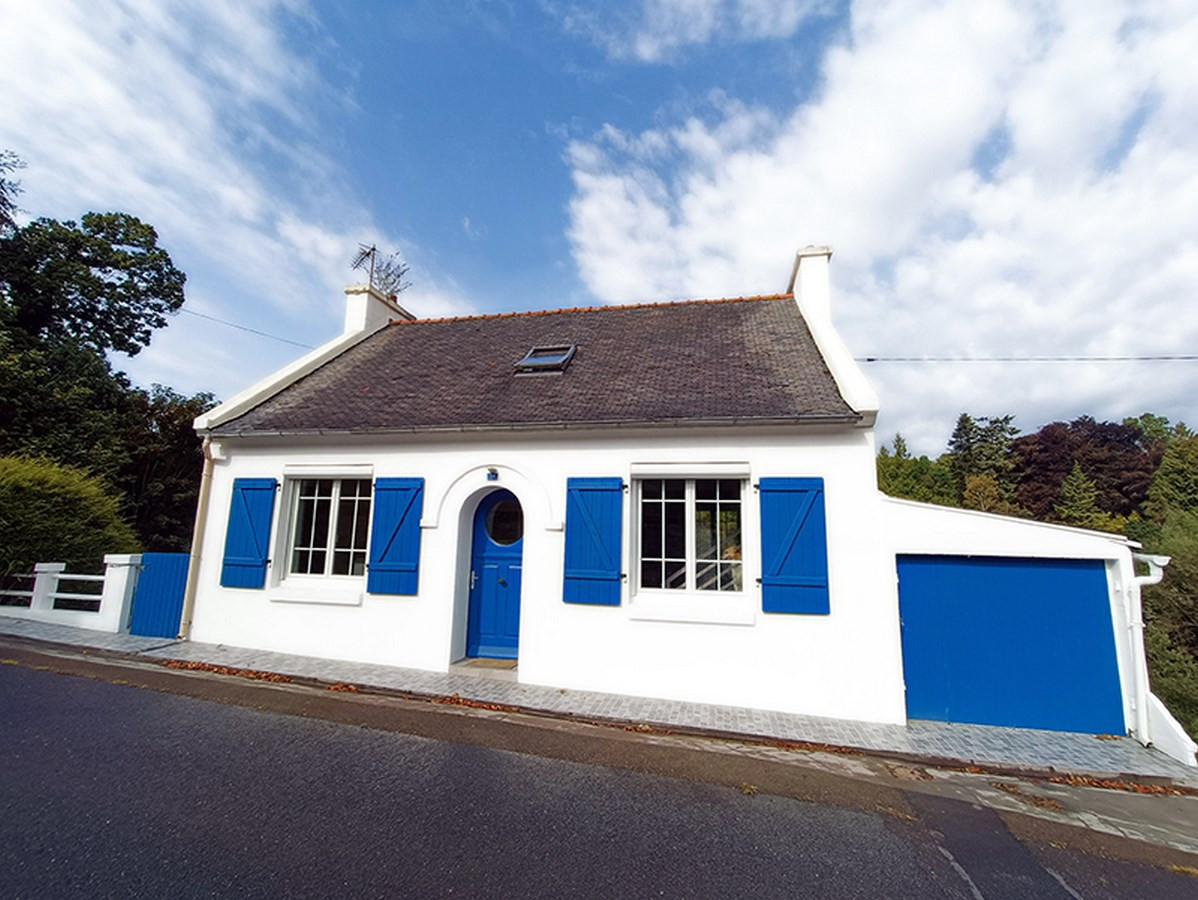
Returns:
(997,641)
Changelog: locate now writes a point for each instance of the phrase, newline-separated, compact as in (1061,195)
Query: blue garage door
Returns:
(1022,642)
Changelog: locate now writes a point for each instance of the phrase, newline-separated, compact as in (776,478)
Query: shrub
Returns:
(55,513)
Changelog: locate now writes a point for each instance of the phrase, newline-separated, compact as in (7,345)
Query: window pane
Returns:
(730,539)
(675,489)
(707,576)
(345,523)
(650,574)
(358,563)
(303,523)
(320,524)
(729,489)
(505,522)
(362,523)
(675,530)
(705,489)
(317,567)
(675,575)
(731,577)
(356,487)
(341,562)
(651,488)
(705,531)
(651,530)
(300,562)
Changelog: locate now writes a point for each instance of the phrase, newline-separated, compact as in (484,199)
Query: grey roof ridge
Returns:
(597,308)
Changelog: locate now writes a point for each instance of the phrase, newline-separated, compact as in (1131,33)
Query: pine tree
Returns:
(1078,504)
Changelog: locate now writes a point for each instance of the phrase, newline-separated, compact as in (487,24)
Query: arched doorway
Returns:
(496,557)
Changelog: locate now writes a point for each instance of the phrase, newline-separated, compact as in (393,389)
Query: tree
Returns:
(9,162)
(53,513)
(983,447)
(105,283)
(1078,506)
(1157,429)
(161,476)
(62,402)
(69,294)
(1115,457)
(1175,485)
(983,493)
(923,479)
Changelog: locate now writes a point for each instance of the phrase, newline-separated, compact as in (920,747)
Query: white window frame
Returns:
(690,604)
(331,549)
(289,587)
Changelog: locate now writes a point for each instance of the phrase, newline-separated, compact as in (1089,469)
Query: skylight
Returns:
(546,359)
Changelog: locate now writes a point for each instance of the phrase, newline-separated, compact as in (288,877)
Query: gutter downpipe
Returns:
(197,544)
(1156,571)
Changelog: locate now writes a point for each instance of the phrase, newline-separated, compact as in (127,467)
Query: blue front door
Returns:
(493,624)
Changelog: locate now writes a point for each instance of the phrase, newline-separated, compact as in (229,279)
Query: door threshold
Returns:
(485,667)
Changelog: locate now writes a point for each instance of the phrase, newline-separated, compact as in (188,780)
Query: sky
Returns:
(997,179)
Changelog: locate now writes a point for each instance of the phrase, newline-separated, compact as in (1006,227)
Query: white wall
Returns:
(846,664)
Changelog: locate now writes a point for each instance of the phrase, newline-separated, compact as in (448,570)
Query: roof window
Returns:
(546,359)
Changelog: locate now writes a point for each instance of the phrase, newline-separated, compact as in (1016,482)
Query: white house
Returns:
(672,500)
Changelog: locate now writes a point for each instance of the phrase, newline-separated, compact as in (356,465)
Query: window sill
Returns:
(693,607)
(325,596)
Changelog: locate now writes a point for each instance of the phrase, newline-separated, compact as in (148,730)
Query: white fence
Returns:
(115,597)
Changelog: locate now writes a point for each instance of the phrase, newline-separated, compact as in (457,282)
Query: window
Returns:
(690,534)
(332,517)
(546,359)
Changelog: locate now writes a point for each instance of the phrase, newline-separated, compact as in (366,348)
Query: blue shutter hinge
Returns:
(756,485)
(623,576)
(624,487)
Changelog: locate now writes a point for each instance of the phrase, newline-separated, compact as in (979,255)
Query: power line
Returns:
(273,337)
(1025,359)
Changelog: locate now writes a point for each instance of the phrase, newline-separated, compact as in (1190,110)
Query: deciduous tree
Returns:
(104,283)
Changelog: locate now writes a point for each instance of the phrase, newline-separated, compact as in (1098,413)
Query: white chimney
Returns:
(809,283)
(367,309)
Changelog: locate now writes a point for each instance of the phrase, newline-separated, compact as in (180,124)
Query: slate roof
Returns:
(718,361)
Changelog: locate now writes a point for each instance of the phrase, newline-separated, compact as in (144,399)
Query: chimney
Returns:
(367,309)
(809,283)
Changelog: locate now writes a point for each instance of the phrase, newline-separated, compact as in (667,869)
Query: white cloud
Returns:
(662,28)
(1074,237)
(196,118)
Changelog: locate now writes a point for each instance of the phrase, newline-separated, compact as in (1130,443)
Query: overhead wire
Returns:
(266,334)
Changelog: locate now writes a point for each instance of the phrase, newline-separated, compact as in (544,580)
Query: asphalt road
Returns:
(108,790)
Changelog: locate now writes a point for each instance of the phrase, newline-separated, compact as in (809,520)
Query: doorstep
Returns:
(482,667)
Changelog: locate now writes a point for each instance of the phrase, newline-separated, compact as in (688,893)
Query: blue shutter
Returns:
(248,538)
(395,536)
(594,512)
(794,546)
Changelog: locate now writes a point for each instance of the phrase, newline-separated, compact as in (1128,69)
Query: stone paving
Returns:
(1020,747)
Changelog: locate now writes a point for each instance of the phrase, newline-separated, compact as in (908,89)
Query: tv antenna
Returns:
(366,252)
(386,274)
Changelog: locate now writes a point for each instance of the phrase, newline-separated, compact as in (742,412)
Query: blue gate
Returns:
(158,600)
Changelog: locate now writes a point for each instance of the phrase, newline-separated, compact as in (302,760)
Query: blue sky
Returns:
(997,178)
